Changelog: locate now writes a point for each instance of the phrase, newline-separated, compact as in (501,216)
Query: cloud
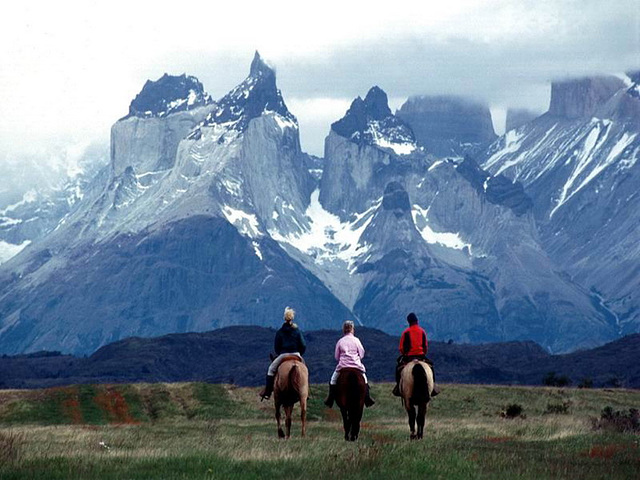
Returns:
(72,67)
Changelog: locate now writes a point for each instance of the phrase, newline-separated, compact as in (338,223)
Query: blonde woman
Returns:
(289,341)
(349,353)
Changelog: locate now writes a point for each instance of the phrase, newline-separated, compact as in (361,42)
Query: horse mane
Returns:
(420,384)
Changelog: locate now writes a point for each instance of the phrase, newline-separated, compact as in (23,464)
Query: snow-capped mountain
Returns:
(579,163)
(211,215)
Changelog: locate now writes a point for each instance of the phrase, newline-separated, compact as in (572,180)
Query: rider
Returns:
(413,346)
(349,353)
(289,341)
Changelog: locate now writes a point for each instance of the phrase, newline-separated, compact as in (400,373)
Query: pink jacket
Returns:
(349,353)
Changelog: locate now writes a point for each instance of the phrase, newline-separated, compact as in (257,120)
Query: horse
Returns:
(291,385)
(416,385)
(350,393)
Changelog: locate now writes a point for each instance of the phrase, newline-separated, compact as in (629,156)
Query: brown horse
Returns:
(416,385)
(291,385)
(350,393)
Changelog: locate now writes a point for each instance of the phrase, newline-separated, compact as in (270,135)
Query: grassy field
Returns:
(196,430)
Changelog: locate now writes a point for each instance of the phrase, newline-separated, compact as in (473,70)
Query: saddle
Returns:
(292,357)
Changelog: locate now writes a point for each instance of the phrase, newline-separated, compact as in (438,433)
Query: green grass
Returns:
(185,431)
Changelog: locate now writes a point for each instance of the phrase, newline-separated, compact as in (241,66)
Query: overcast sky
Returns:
(70,69)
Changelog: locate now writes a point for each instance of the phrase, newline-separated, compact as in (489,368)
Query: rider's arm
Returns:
(405,343)
(336,353)
(424,342)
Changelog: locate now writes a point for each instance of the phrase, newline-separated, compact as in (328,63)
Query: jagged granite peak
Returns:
(259,67)
(448,125)
(581,98)
(516,117)
(168,94)
(497,189)
(370,122)
(257,95)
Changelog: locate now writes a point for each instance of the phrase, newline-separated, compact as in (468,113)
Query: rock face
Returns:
(516,117)
(448,125)
(582,174)
(160,116)
(575,99)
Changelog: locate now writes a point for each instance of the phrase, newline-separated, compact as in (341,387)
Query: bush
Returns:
(618,421)
(558,408)
(553,380)
(586,383)
(512,411)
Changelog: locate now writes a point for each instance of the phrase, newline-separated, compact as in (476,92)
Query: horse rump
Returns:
(420,392)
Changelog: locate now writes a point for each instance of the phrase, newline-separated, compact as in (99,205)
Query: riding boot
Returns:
(268,389)
(332,395)
(435,391)
(368,401)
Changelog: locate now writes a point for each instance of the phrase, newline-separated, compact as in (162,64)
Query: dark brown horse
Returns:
(291,385)
(350,393)
(416,385)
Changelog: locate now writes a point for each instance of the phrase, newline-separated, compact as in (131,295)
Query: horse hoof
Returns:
(280,434)
(413,436)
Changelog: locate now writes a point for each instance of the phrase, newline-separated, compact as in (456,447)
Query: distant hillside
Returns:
(239,355)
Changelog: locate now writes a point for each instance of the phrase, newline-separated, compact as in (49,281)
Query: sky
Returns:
(69,69)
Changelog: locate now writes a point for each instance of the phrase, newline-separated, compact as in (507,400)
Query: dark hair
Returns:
(412,318)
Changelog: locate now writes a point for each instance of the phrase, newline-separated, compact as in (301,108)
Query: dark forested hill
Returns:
(240,355)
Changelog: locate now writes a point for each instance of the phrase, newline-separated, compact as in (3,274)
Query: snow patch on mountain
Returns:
(327,237)
(9,250)
(246,223)
(447,239)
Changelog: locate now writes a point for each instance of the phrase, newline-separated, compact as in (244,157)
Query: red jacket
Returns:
(413,341)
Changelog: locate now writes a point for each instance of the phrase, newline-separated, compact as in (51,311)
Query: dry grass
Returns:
(233,434)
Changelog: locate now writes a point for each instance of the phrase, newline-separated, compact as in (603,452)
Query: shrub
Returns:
(551,379)
(512,411)
(586,383)
(618,421)
(558,408)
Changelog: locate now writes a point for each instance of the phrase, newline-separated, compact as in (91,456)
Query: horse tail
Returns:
(420,384)
(294,378)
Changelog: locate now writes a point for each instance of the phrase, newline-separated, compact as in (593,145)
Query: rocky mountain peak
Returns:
(370,122)
(257,95)
(582,97)
(260,68)
(168,94)
(376,103)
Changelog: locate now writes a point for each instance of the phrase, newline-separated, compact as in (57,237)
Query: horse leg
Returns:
(412,420)
(422,413)
(303,415)
(288,410)
(355,417)
(280,432)
(345,422)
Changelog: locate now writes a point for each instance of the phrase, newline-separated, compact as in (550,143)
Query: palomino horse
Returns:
(350,393)
(291,385)
(416,385)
